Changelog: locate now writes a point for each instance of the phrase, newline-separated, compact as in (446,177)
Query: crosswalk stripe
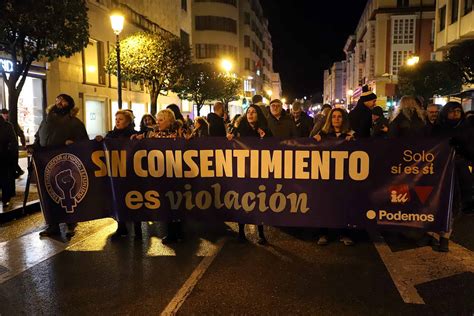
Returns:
(188,286)
(410,268)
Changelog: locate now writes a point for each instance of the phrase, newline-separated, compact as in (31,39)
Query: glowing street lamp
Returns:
(270,93)
(227,65)
(117,26)
(413,60)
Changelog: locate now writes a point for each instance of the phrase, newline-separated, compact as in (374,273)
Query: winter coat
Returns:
(245,130)
(377,127)
(401,126)
(284,127)
(461,136)
(56,128)
(360,119)
(121,133)
(304,124)
(8,159)
(8,143)
(216,125)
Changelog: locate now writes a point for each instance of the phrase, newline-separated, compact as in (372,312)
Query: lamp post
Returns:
(117,26)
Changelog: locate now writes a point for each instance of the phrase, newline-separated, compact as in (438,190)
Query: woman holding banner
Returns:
(123,130)
(253,124)
(336,127)
(167,127)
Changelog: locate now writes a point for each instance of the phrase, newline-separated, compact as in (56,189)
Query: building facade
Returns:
(335,80)
(388,33)
(236,30)
(83,75)
(455,24)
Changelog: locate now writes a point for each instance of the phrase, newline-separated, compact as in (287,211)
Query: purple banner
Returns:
(363,184)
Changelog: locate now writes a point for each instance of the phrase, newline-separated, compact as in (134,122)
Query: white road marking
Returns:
(412,267)
(188,286)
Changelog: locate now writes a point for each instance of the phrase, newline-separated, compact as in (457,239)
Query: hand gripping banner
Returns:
(300,182)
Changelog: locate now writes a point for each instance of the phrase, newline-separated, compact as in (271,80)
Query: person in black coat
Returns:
(123,130)
(60,127)
(280,123)
(253,124)
(303,122)
(216,121)
(360,118)
(452,123)
(8,161)
(379,123)
(409,120)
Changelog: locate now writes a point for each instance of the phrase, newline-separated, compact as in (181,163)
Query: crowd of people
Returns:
(365,120)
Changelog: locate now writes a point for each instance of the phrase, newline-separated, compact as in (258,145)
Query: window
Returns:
(215,51)
(467,6)
(247,63)
(247,18)
(184,37)
(403,3)
(246,41)
(230,2)
(184,5)
(454,10)
(93,63)
(442,18)
(399,58)
(403,30)
(247,85)
(216,23)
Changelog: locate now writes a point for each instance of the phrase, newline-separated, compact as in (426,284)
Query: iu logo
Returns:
(399,194)
(66,181)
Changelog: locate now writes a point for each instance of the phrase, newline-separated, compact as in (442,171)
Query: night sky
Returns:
(308,36)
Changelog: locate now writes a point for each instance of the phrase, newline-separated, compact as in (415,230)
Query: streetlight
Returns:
(270,93)
(117,25)
(413,60)
(227,65)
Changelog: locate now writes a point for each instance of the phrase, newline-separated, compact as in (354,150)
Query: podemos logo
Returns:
(66,181)
(382,215)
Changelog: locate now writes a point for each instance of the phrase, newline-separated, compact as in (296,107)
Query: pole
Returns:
(119,74)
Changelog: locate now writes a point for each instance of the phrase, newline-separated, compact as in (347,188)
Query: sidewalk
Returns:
(15,209)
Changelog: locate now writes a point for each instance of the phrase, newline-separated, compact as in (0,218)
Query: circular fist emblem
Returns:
(66,181)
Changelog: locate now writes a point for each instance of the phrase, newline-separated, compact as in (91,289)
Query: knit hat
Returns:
(367,94)
(377,111)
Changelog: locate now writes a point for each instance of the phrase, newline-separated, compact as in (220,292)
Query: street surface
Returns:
(212,273)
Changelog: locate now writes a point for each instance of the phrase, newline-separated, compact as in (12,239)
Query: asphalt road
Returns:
(212,273)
